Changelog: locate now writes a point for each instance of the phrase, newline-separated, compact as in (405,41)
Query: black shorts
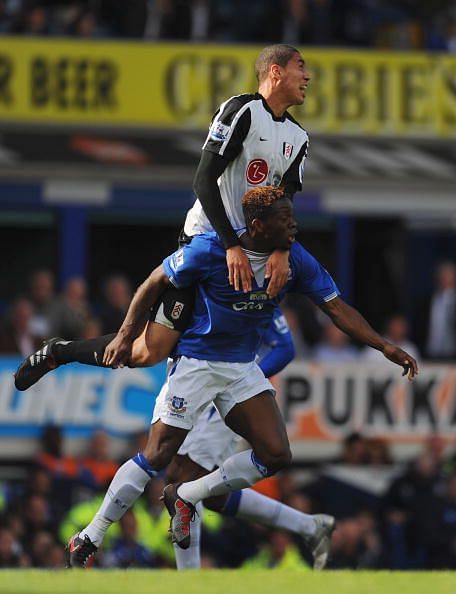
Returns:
(175,307)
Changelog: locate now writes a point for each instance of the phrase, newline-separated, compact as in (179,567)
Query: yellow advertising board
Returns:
(140,84)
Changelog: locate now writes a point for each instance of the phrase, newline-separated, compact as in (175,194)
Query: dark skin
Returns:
(258,420)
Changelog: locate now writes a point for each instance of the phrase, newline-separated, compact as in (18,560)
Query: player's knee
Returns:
(276,459)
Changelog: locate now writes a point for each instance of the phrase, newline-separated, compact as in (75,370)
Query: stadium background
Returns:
(102,115)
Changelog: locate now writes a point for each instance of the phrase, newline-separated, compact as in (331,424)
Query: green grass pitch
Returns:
(224,582)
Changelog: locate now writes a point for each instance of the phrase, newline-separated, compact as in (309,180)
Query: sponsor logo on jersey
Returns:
(247,306)
(257,171)
(177,405)
(177,310)
(287,150)
(258,297)
(218,131)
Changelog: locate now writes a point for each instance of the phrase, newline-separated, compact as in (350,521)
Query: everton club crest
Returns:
(177,404)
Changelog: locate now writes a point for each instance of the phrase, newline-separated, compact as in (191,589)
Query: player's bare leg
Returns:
(259,421)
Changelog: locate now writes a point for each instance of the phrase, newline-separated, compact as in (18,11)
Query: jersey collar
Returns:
(268,109)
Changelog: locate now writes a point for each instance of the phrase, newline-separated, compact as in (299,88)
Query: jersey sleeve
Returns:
(310,277)
(190,263)
(293,177)
(229,128)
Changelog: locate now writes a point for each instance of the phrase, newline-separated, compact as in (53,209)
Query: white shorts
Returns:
(192,384)
(210,442)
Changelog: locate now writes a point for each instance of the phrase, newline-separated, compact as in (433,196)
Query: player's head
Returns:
(268,213)
(282,68)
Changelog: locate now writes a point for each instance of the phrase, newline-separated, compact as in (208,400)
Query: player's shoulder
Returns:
(232,106)
(207,244)
(300,256)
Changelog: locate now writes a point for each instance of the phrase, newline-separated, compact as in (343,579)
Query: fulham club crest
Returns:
(287,150)
(177,310)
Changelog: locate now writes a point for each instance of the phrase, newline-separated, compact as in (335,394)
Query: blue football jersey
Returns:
(229,325)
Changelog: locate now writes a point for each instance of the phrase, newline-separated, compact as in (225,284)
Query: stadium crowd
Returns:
(410,525)
(398,24)
(427,331)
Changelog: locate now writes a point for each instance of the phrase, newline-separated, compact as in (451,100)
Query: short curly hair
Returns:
(257,202)
(279,53)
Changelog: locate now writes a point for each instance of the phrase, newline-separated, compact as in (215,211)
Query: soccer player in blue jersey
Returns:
(215,362)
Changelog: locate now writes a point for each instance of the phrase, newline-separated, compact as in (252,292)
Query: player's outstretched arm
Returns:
(118,350)
(350,321)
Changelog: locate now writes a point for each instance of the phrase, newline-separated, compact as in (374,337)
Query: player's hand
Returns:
(118,352)
(239,269)
(400,357)
(277,268)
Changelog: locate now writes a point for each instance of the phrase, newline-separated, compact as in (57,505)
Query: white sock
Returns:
(237,472)
(191,558)
(258,508)
(125,488)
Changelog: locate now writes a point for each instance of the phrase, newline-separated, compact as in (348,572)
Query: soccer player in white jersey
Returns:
(214,362)
(252,141)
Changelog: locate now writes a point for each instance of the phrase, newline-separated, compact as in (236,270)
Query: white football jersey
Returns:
(262,149)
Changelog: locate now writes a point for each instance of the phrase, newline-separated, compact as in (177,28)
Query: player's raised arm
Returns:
(118,350)
(350,321)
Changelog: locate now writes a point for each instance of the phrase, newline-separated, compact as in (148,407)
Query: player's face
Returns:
(294,80)
(280,227)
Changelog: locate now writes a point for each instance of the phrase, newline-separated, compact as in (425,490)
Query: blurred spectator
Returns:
(91,329)
(405,505)
(308,21)
(397,332)
(38,515)
(33,19)
(117,297)
(436,318)
(335,347)
(378,453)
(71,311)
(63,470)
(354,450)
(96,467)
(42,297)
(11,554)
(169,19)
(355,543)
(15,336)
(39,546)
(279,553)
(439,527)
(126,551)
(6,18)
(84,24)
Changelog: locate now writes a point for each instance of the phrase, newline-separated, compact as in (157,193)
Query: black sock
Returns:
(88,351)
